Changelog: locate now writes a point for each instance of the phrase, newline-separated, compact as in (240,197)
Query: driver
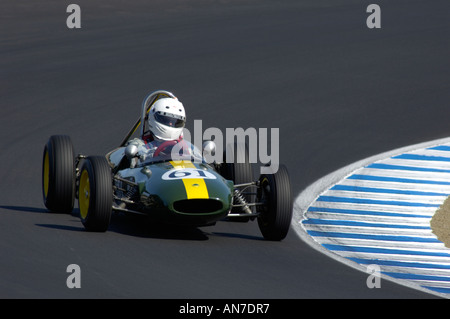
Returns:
(166,121)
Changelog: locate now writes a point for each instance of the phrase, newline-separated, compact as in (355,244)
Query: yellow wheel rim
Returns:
(84,194)
(46,174)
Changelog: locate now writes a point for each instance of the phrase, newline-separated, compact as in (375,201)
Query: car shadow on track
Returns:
(233,235)
(140,226)
(132,225)
(25,209)
(61,227)
(39,210)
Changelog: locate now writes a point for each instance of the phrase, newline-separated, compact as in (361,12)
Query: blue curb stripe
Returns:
(317,221)
(409,276)
(335,199)
(396,179)
(417,157)
(440,148)
(407,168)
(373,237)
(375,250)
(362,212)
(392,263)
(384,190)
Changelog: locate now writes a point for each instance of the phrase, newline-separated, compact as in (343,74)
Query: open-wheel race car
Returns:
(182,190)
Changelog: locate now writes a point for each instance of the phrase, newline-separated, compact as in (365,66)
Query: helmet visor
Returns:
(169,120)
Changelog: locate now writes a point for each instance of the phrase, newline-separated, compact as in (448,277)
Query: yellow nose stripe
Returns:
(195,187)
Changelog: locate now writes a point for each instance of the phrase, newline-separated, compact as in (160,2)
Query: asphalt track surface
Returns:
(338,91)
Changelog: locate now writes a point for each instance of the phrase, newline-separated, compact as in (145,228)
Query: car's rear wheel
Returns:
(275,215)
(58,174)
(95,194)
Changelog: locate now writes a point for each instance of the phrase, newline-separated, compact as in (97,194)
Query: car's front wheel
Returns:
(95,194)
(275,215)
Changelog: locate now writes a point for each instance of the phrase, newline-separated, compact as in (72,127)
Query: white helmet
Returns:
(166,119)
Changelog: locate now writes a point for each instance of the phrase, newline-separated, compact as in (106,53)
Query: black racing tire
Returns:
(275,215)
(58,174)
(95,194)
(239,170)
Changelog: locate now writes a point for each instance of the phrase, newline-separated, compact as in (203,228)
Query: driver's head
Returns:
(167,118)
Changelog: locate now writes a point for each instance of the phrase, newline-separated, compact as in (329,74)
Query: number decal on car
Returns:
(186,173)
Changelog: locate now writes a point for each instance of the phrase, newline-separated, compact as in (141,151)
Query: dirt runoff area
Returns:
(440,223)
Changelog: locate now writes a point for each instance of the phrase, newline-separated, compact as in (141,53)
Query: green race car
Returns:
(184,189)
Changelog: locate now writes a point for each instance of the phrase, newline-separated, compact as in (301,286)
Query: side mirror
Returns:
(131,151)
(209,148)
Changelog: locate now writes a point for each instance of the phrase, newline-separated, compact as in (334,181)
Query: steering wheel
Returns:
(167,144)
